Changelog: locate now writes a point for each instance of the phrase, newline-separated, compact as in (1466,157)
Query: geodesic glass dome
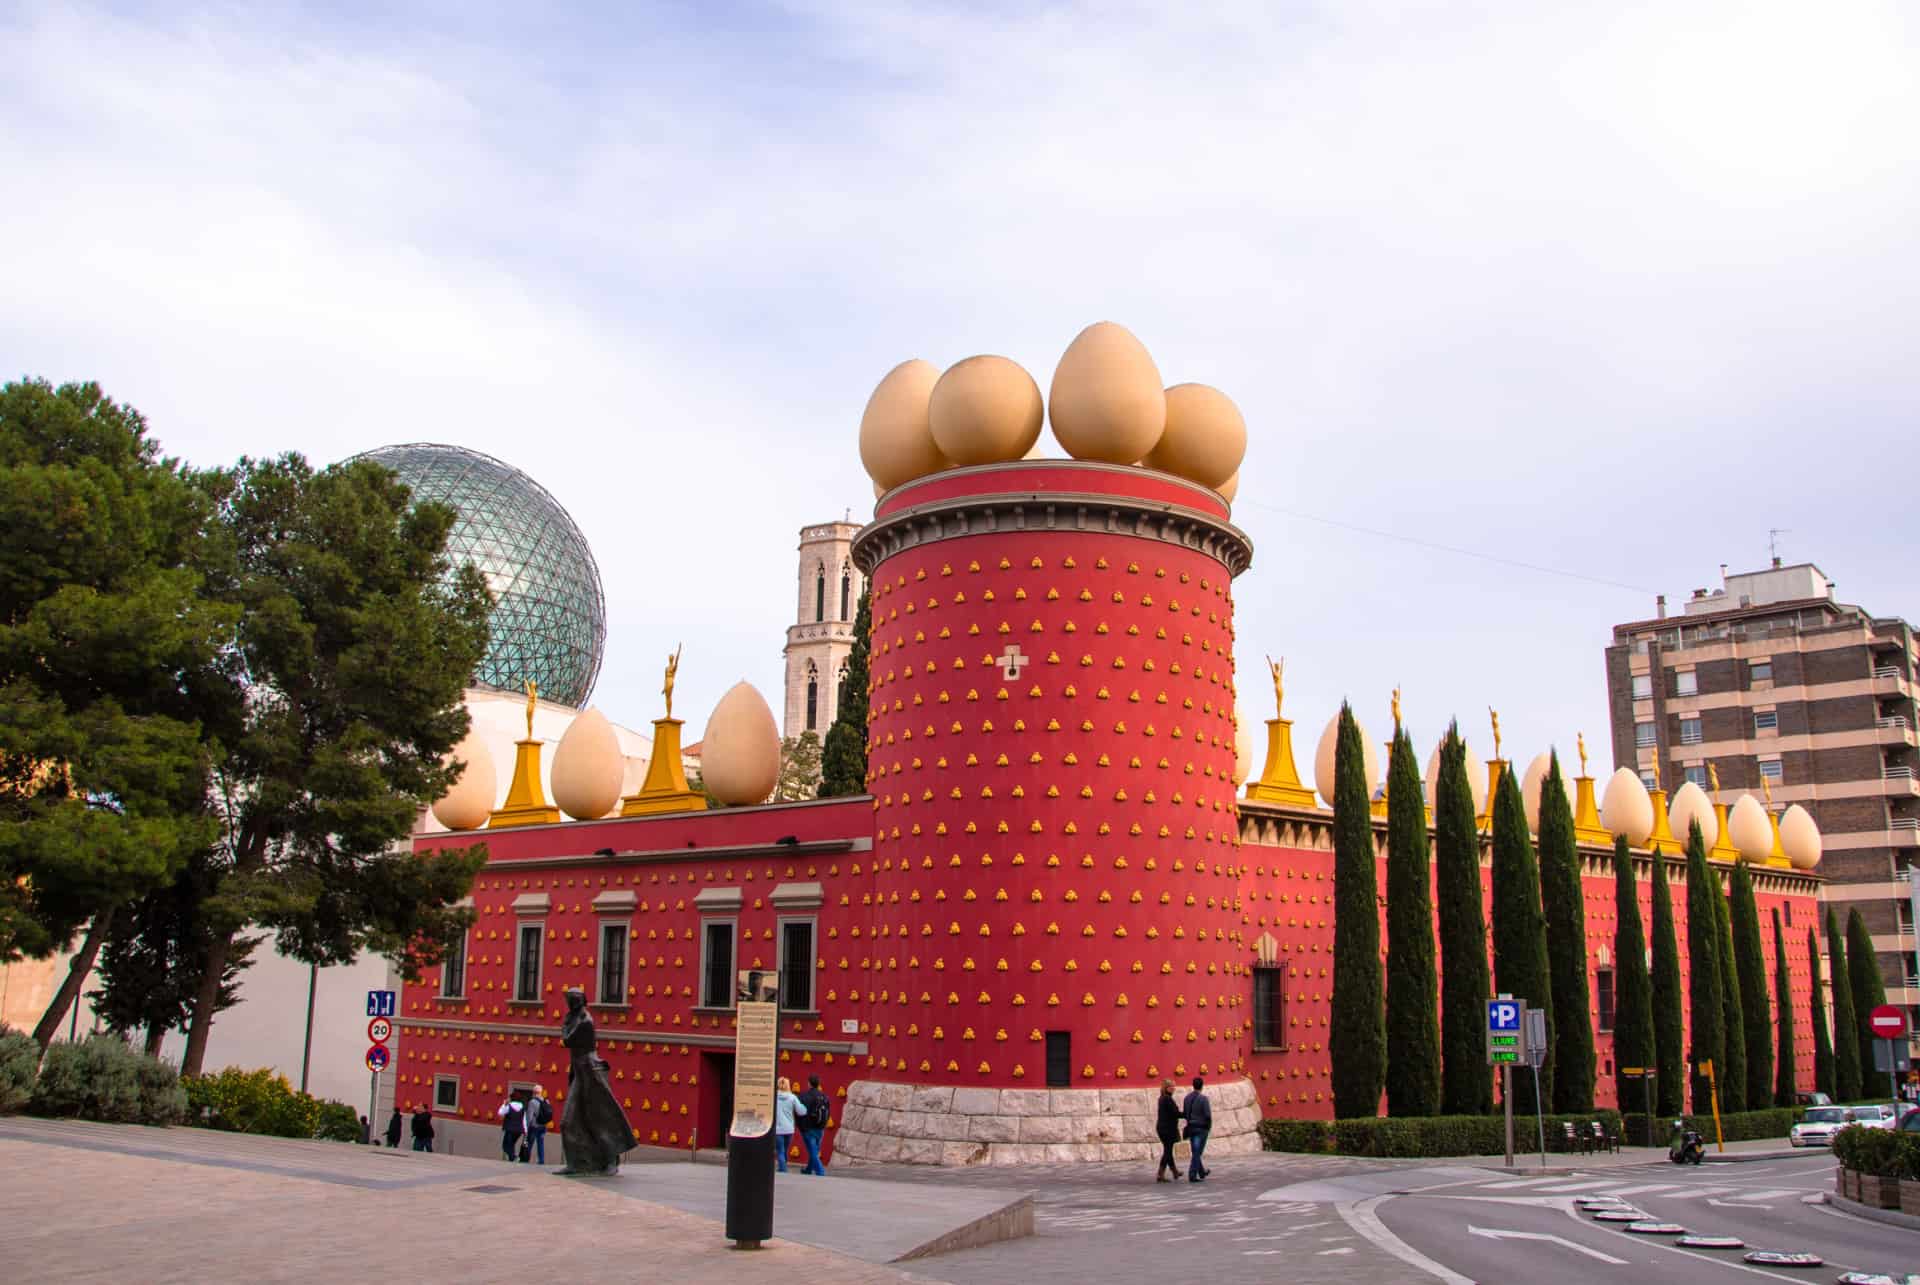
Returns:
(549,619)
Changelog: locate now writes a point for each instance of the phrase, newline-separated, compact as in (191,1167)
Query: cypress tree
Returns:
(1519,930)
(1413,1030)
(1785,1089)
(1356,1040)
(1563,901)
(1466,1079)
(1869,993)
(1669,1040)
(1733,1028)
(1846,1046)
(1632,990)
(843,755)
(1706,1013)
(1751,965)
(1823,1071)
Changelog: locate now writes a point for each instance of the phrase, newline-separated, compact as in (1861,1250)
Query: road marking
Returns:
(1651,1186)
(1696,1193)
(1775,1193)
(1738,1204)
(1497,1233)
(1523,1182)
(1361,1218)
(1584,1184)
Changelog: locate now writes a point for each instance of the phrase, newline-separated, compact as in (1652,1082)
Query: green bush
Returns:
(101,1078)
(1735,1126)
(19,1068)
(1440,1135)
(261,1101)
(1882,1153)
(336,1122)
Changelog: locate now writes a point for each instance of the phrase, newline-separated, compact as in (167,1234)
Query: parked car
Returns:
(1875,1117)
(1819,1124)
(1813,1099)
(1910,1119)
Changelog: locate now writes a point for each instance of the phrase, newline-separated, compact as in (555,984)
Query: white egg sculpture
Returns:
(588,768)
(1626,808)
(1476,776)
(1749,829)
(1205,438)
(1800,838)
(1531,783)
(985,410)
(1689,804)
(896,442)
(1323,760)
(469,803)
(1243,746)
(740,750)
(1106,401)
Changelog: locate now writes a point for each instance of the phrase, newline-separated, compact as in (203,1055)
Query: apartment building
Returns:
(1774,685)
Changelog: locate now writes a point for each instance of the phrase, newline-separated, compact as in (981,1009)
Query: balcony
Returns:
(1894,729)
(1889,679)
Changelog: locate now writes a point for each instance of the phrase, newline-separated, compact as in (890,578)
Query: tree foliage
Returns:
(1750,965)
(799,768)
(1669,1040)
(155,954)
(1785,1089)
(1823,1070)
(1633,1040)
(1847,1077)
(1869,991)
(1520,964)
(1732,1081)
(1356,1039)
(1706,1011)
(1412,1025)
(1466,1080)
(1563,901)
(843,759)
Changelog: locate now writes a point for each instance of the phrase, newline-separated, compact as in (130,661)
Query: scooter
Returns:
(1686,1146)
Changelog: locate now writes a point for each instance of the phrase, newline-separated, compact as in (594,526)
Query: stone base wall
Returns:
(885,1123)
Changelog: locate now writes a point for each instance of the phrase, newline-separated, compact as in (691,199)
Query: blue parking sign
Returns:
(1503,1014)
(380,1004)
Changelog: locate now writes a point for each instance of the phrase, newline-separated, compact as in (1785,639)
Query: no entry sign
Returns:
(1888,1022)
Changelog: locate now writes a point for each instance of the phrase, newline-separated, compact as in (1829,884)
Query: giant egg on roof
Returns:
(1106,402)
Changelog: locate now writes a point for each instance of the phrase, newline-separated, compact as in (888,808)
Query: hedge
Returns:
(19,1068)
(102,1078)
(1440,1135)
(1735,1126)
(261,1101)
(1884,1153)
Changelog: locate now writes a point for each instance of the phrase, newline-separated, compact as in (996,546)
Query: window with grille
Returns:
(1643,687)
(1686,683)
(1059,1059)
(613,963)
(453,973)
(1760,671)
(1690,732)
(716,965)
(1770,768)
(1603,997)
(1648,779)
(1697,774)
(526,970)
(1643,734)
(796,965)
(1269,1005)
(446,1092)
(1766,720)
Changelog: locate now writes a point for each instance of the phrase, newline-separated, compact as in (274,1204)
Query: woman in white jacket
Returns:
(785,1105)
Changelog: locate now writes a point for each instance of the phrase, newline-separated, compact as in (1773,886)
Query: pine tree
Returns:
(1750,963)
(843,756)
(1563,903)
(1413,1030)
(1785,1088)
(1823,1067)
(799,768)
(1466,1079)
(1846,1045)
(1869,993)
(1520,930)
(1733,1027)
(1632,989)
(1356,1040)
(1669,1039)
(1706,1012)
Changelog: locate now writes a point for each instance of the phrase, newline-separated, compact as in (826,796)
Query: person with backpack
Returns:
(539,1115)
(1198,1113)
(814,1123)
(513,1127)
(422,1128)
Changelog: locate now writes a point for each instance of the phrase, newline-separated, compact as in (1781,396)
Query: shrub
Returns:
(261,1101)
(335,1122)
(101,1078)
(19,1068)
(1735,1126)
(1440,1135)
(1879,1152)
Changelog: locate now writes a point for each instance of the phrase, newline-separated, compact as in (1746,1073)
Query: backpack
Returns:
(817,1110)
(543,1113)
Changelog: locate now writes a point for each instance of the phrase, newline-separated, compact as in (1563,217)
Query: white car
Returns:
(1817,1127)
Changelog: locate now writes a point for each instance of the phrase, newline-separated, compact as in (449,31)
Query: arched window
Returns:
(820,594)
(846,593)
(813,697)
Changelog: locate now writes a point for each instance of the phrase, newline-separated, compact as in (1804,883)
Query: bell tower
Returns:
(827,595)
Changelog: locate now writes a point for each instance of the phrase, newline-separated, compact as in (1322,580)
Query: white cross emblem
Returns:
(1011,662)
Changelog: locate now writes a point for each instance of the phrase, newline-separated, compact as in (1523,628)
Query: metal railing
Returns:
(1897,773)
(1887,671)
(1892,720)
(1904,823)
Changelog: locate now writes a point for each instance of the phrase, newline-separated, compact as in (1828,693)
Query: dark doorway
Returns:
(715,1111)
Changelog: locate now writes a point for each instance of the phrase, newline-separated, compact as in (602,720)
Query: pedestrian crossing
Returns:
(1593,1185)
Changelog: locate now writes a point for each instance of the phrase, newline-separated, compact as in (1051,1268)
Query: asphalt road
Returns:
(1495,1228)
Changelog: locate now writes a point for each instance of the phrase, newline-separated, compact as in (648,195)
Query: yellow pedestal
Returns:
(665,789)
(1722,849)
(1662,826)
(1586,813)
(1494,768)
(1279,780)
(526,802)
(1778,857)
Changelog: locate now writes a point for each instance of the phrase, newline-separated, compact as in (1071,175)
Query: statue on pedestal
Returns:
(594,1129)
(673,670)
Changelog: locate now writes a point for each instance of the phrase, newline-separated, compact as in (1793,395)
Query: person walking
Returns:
(1198,1113)
(814,1124)
(1167,1128)
(422,1128)
(539,1114)
(366,1132)
(513,1127)
(393,1131)
(786,1107)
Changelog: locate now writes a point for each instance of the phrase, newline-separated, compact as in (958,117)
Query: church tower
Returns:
(821,635)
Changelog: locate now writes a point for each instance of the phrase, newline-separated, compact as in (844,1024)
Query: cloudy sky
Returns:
(1534,310)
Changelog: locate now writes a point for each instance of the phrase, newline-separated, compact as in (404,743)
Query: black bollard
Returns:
(750,1189)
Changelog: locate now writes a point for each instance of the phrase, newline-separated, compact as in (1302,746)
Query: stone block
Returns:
(1026,1102)
(976,1101)
(1128,1101)
(948,1127)
(1076,1101)
(993,1128)
(1100,1128)
(1137,1128)
(890,1097)
(1086,1153)
(1114,1151)
(1016,1153)
(852,1116)
(1049,1129)
(919,1151)
(851,1145)
(958,1154)
(1063,1153)
(885,1150)
(925,1098)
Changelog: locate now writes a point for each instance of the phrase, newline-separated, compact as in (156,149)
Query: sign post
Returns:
(1645,1075)
(751,1141)
(1889,1024)
(1536,1054)
(1503,1050)
(380,1010)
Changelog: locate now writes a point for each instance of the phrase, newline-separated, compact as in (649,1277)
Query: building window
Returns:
(526,970)
(1059,1059)
(1766,720)
(1643,687)
(446,1093)
(1770,768)
(1269,1004)
(1603,996)
(1690,733)
(1686,683)
(613,963)
(796,965)
(716,964)
(1643,734)
(820,595)
(1697,773)
(846,594)
(453,972)
(813,697)
(1760,671)
(1648,779)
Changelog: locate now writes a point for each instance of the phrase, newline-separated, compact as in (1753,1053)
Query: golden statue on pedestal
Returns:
(1494,714)
(1396,711)
(666,688)
(533,699)
(1580,743)
(1713,777)
(1766,788)
(1279,684)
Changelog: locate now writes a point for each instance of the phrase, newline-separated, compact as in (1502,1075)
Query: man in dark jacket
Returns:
(393,1130)
(422,1128)
(818,1108)
(1198,1113)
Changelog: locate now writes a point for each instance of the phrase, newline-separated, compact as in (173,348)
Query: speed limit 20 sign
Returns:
(380,1030)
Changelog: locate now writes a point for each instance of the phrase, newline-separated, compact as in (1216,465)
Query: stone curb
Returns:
(1891,1217)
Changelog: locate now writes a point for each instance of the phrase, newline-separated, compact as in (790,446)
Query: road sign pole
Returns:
(373,1098)
(1539,1109)
(1506,1099)
(1893,1075)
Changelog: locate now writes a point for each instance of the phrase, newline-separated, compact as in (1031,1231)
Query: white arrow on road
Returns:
(1496,1233)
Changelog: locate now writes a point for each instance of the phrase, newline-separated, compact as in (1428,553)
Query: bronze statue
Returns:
(1713,777)
(533,698)
(1279,692)
(666,689)
(594,1129)
(1494,714)
(1580,743)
